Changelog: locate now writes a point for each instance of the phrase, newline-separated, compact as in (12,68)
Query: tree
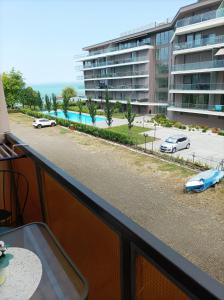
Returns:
(67,94)
(39,101)
(108,109)
(31,97)
(92,109)
(13,84)
(28,96)
(129,115)
(80,106)
(118,107)
(47,103)
(54,104)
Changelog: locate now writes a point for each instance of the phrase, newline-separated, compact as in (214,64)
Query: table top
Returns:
(41,266)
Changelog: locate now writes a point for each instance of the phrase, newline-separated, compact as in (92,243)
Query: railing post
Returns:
(127,270)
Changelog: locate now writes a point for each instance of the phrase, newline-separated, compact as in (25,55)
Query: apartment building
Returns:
(175,67)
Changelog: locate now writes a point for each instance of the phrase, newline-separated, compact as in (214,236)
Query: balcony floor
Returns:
(151,194)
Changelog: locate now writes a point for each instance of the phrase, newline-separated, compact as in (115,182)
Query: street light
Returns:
(145,135)
(155,124)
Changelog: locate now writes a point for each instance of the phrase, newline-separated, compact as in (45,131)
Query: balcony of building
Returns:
(121,46)
(117,87)
(201,44)
(198,67)
(116,62)
(200,22)
(116,75)
(198,108)
(117,258)
(198,88)
(202,17)
(116,52)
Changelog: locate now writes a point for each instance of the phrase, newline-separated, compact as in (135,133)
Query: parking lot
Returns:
(207,148)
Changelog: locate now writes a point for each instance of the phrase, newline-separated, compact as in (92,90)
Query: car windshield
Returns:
(171,140)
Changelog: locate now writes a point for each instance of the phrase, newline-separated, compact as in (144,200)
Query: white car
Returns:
(39,123)
(175,143)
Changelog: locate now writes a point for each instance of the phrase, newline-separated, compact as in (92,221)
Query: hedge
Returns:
(98,132)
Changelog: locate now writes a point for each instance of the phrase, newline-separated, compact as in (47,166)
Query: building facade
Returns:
(176,67)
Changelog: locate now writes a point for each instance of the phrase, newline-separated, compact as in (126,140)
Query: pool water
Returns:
(75,117)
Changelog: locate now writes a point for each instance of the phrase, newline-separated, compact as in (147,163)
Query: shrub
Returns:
(221,132)
(15,110)
(215,130)
(98,132)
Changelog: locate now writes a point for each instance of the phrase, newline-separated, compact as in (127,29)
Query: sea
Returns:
(56,88)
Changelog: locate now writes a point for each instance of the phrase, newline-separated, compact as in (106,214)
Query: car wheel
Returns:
(39,126)
(52,124)
(174,150)
(188,146)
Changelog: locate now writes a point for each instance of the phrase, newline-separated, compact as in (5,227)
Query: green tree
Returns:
(47,103)
(67,94)
(31,97)
(54,104)
(80,106)
(28,96)
(39,101)
(118,107)
(108,109)
(13,84)
(92,107)
(129,115)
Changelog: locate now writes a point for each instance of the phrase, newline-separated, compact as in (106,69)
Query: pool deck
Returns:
(116,122)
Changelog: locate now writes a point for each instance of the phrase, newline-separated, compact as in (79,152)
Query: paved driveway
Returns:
(207,147)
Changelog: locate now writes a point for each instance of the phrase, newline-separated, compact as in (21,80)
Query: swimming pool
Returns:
(75,117)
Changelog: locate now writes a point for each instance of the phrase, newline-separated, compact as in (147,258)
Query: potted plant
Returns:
(4,261)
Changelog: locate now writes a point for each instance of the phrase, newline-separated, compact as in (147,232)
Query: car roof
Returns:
(178,136)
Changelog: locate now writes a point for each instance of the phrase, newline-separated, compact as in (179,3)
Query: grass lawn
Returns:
(135,133)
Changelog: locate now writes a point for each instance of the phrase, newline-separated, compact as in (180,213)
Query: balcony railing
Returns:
(200,42)
(120,47)
(118,74)
(217,107)
(117,87)
(199,65)
(115,62)
(200,17)
(119,259)
(198,86)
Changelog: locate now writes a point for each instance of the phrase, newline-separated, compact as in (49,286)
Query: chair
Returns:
(14,190)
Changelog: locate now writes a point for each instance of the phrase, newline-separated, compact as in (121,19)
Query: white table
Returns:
(23,275)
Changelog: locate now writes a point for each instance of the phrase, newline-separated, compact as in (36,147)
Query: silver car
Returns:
(175,143)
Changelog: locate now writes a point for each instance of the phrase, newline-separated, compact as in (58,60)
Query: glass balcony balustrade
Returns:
(213,40)
(198,86)
(114,87)
(118,74)
(199,65)
(115,62)
(202,106)
(200,17)
(120,47)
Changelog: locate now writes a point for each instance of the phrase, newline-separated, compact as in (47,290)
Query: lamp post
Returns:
(155,124)
(145,135)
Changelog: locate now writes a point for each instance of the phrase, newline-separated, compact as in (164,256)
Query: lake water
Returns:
(56,88)
(75,117)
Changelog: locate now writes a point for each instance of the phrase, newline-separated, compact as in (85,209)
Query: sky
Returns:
(41,37)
